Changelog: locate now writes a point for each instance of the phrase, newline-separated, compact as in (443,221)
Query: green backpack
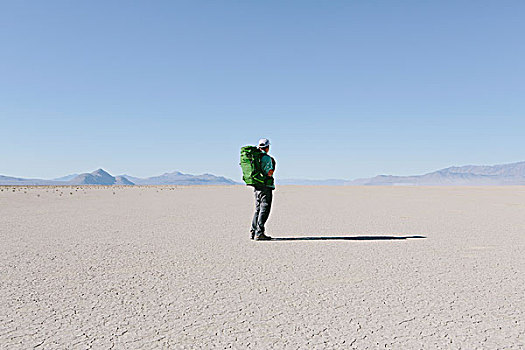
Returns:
(252,173)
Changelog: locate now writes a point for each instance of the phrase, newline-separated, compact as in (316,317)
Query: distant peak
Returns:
(100,172)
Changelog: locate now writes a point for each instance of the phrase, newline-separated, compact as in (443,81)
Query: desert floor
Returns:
(173,267)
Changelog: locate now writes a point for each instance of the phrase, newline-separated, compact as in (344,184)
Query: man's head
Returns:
(264,145)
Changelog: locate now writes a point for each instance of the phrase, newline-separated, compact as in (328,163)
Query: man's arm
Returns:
(267,165)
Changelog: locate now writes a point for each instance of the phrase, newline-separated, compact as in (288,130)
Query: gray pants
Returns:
(263,204)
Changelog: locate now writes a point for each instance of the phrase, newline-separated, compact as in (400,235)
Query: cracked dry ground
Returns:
(173,267)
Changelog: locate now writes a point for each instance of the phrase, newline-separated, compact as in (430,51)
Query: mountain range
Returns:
(307,182)
(469,175)
(101,177)
(178,178)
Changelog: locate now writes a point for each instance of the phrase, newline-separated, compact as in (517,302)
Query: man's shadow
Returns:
(346,238)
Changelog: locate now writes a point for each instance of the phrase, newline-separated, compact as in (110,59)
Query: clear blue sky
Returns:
(343,89)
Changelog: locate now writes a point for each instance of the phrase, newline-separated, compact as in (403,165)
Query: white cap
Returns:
(263,143)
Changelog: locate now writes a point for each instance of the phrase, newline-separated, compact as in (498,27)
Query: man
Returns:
(263,194)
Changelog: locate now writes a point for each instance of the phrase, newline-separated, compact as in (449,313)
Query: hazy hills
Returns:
(469,175)
(15,181)
(101,177)
(66,178)
(306,182)
(178,178)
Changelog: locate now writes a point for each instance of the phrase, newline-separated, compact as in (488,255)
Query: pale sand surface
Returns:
(173,267)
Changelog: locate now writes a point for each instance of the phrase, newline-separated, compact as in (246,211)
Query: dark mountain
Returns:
(98,177)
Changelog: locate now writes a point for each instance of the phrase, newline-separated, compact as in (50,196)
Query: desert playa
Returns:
(173,267)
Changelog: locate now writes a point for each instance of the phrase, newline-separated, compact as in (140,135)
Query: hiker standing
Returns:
(258,168)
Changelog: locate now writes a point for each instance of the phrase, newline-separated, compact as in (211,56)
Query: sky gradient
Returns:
(343,89)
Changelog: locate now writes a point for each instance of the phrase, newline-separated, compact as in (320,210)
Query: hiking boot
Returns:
(252,235)
(263,237)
